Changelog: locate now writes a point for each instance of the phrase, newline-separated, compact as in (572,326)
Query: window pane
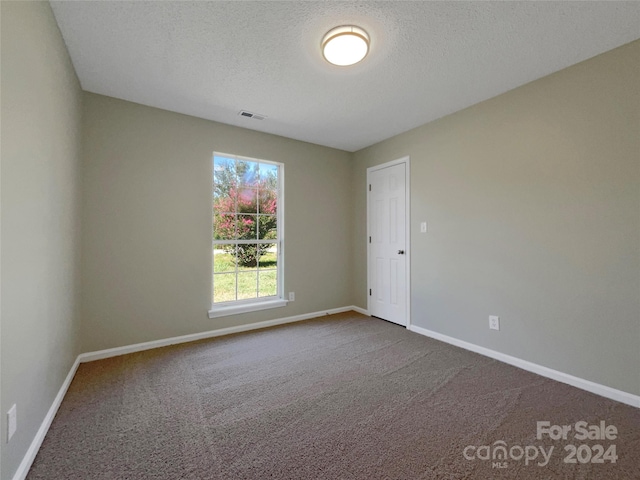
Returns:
(248,256)
(268,201)
(223,168)
(225,199)
(247,225)
(247,200)
(267,227)
(248,173)
(224,226)
(267,272)
(224,259)
(247,284)
(224,287)
(224,177)
(268,283)
(269,257)
(269,174)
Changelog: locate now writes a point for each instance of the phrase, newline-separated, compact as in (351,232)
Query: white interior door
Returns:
(387,264)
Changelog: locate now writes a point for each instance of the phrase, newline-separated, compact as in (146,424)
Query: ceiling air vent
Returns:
(255,116)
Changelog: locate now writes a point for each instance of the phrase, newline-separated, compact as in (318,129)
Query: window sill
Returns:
(245,308)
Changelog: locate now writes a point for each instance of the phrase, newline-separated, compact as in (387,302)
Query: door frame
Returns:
(407,213)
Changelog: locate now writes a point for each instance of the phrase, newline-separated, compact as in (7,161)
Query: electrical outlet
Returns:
(12,422)
(423,227)
(494,322)
(292,296)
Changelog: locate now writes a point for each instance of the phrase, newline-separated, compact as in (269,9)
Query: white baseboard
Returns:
(360,310)
(589,386)
(30,456)
(139,347)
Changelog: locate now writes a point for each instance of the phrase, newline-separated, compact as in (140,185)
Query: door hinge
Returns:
(369,187)
(369,292)
(369,239)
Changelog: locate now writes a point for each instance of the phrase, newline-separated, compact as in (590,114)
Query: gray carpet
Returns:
(340,397)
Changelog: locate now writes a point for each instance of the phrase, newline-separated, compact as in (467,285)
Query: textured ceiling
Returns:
(427,59)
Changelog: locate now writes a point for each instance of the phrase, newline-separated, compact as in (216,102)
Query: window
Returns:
(247,235)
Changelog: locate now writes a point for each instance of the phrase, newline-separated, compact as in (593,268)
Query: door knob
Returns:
(401,252)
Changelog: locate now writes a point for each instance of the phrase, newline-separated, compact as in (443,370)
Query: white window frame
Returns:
(253,304)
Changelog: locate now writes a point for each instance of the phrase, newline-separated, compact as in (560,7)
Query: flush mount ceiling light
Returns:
(345,45)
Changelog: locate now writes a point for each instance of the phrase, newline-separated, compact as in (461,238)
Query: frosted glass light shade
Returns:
(345,45)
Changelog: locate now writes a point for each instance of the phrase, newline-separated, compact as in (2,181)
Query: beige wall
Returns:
(147,222)
(41,113)
(532,201)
